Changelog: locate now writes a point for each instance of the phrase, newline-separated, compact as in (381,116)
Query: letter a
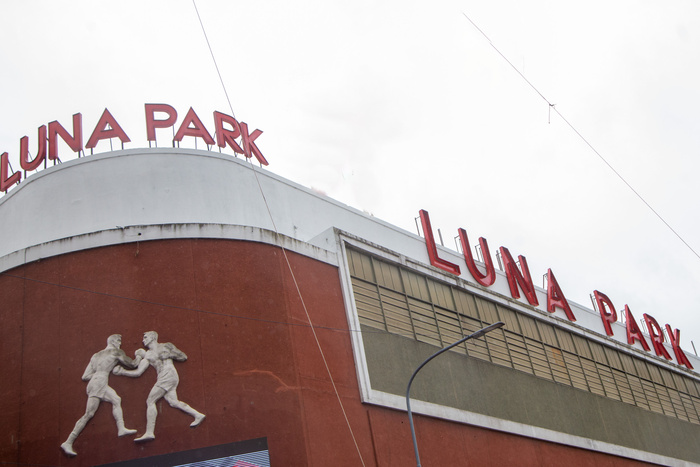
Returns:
(556,298)
(102,131)
(633,332)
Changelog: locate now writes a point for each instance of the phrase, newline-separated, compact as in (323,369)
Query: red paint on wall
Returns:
(254,366)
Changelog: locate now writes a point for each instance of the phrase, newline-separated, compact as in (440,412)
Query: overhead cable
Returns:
(284,252)
(578,133)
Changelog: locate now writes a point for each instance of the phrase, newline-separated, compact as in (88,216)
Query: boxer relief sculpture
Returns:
(112,359)
(97,374)
(159,356)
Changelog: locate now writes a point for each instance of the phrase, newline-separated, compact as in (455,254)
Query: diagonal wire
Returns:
(289,266)
(206,38)
(552,106)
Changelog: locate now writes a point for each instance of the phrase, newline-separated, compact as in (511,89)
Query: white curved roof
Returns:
(147,187)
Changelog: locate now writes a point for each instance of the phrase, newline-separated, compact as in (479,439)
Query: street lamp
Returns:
(478,333)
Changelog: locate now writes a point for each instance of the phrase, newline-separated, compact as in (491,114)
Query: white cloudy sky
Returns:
(396,106)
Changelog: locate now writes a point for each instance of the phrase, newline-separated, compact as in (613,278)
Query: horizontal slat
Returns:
(439,314)
(652,396)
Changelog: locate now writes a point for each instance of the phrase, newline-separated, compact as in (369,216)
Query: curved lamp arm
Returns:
(478,333)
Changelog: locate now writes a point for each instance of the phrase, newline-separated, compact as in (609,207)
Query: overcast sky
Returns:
(397,106)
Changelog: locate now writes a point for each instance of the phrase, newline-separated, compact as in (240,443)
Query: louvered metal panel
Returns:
(466,304)
(540,364)
(388,276)
(487,311)
(448,326)
(518,352)
(665,399)
(360,265)
(582,347)
(655,373)
(573,365)
(424,322)
(639,392)
(438,314)
(558,366)
(509,318)
(623,386)
(565,341)
(667,378)
(441,295)
(613,358)
(498,350)
(368,304)
(628,364)
(608,380)
(595,385)
(642,370)
(475,347)
(529,327)
(598,353)
(652,396)
(547,333)
(690,410)
(416,285)
(677,404)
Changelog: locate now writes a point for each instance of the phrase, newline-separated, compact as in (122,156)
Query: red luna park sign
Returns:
(519,279)
(226,129)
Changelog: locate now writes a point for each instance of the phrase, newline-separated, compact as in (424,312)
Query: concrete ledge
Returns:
(141,233)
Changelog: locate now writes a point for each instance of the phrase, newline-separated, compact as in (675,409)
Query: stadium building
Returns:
(291,324)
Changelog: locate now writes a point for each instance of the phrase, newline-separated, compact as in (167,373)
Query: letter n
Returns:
(75,142)
(515,277)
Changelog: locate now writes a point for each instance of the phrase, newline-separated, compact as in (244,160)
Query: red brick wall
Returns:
(254,367)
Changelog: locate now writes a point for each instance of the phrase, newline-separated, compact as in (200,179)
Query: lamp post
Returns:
(478,333)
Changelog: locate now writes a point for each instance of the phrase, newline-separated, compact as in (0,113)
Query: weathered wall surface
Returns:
(473,385)
(254,367)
